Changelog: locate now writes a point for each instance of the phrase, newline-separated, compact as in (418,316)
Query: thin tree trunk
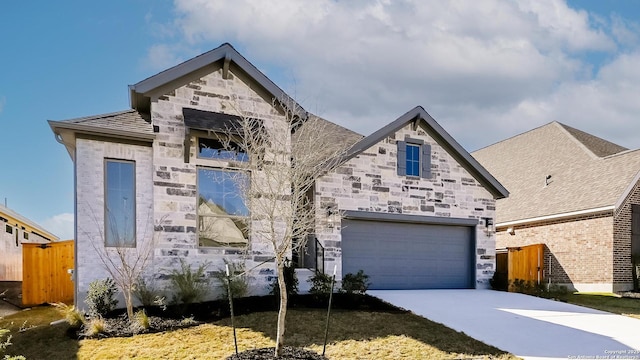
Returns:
(129,303)
(282,313)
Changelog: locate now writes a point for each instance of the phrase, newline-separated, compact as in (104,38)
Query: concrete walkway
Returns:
(526,326)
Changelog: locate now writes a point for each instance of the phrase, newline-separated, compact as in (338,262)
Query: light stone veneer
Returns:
(369,182)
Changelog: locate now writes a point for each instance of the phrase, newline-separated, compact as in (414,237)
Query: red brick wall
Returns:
(622,238)
(579,249)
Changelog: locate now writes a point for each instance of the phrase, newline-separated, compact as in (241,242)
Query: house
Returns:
(15,230)
(577,194)
(157,169)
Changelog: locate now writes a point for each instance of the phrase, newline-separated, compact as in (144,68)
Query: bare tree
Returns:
(125,262)
(285,156)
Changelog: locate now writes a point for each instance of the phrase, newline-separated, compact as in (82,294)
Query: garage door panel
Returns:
(408,256)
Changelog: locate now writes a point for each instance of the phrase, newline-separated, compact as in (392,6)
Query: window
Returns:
(120,203)
(25,235)
(214,149)
(222,211)
(414,158)
(8,228)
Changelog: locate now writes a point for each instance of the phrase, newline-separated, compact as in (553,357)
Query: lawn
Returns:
(606,302)
(353,335)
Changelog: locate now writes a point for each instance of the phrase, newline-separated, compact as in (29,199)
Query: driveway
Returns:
(526,326)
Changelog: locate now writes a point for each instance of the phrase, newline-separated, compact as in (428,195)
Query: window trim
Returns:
(246,218)
(105,197)
(197,149)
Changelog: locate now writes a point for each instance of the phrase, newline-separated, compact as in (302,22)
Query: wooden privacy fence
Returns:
(45,277)
(526,263)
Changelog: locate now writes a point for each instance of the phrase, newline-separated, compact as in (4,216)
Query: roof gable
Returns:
(226,56)
(419,117)
(12,217)
(580,179)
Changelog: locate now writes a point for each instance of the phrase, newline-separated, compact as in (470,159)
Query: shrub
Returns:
(499,281)
(101,297)
(191,286)
(95,327)
(140,322)
(290,280)
(239,285)
(355,283)
(145,292)
(320,285)
(5,343)
(73,316)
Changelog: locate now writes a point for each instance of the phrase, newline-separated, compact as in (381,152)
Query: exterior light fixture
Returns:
(331,212)
(489,227)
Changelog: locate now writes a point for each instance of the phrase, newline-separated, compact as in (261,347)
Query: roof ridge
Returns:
(515,136)
(596,145)
(99,116)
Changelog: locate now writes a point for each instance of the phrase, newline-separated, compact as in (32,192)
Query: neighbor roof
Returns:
(419,116)
(11,215)
(586,172)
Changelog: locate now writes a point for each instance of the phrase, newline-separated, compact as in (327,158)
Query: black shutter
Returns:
(402,158)
(426,161)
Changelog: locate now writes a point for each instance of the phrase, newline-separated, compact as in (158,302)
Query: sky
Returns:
(485,70)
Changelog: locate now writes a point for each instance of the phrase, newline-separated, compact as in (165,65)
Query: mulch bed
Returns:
(288,353)
(180,316)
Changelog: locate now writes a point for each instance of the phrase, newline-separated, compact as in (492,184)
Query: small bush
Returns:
(190,286)
(239,285)
(355,283)
(140,322)
(320,285)
(73,316)
(145,292)
(290,280)
(95,327)
(5,343)
(101,297)
(499,281)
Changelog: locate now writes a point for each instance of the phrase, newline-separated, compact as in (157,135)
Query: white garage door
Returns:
(409,256)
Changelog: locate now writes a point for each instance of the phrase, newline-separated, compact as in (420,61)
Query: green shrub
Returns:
(290,280)
(190,286)
(145,292)
(355,283)
(101,297)
(239,285)
(320,285)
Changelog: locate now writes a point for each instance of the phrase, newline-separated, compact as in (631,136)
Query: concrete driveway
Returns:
(526,326)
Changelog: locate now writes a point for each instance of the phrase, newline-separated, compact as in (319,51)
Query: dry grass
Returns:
(353,335)
(606,302)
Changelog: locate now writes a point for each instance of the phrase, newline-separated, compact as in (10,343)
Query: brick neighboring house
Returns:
(575,193)
(136,167)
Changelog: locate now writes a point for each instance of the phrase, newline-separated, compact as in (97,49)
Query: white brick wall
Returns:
(90,158)
(369,182)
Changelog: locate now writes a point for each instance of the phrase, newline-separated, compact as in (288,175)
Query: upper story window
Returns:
(215,149)
(120,203)
(222,212)
(414,158)
(8,229)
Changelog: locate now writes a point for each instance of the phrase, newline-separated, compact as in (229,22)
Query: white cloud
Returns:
(163,56)
(484,69)
(61,225)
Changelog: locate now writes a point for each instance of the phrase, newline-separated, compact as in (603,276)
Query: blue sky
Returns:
(485,70)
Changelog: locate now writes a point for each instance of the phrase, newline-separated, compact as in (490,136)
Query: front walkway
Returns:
(526,326)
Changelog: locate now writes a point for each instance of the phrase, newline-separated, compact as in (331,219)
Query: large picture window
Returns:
(120,203)
(222,211)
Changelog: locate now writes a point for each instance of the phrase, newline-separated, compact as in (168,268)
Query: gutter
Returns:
(557,216)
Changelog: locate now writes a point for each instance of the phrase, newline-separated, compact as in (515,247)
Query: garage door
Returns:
(409,256)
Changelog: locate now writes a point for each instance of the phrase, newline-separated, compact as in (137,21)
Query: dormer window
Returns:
(414,158)
(215,149)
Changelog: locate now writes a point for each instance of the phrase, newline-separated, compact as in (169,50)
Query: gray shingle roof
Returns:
(581,177)
(128,120)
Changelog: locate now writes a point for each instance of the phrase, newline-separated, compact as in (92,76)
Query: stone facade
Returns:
(369,182)
(574,248)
